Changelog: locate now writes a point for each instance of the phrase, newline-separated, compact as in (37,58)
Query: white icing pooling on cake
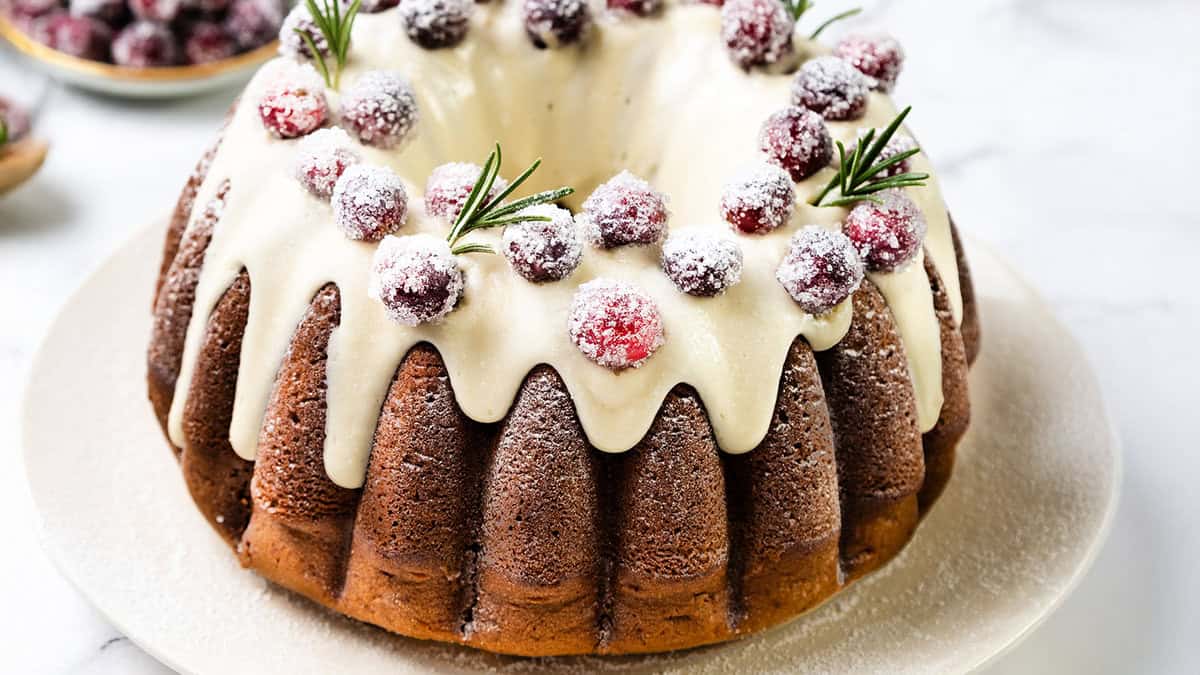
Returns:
(657,96)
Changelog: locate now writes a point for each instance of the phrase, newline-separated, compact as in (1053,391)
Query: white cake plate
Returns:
(1028,507)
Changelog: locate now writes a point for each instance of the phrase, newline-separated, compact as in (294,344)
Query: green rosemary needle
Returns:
(858,177)
(335,27)
(479,212)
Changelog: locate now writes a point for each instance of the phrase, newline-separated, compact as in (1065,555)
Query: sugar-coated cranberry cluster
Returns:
(149,33)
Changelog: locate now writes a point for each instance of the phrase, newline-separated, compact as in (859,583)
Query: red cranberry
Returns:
(369,202)
(417,279)
(887,235)
(79,36)
(625,210)
(16,120)
(379,109)
(375,6)
(759,199)
(447,188)
(161,11)
(436,23)
(108,11)
(321,158)
(555,23)
(32,7)
(832,87)
(899,143)
(146,45)
(638,7)
(879,57)
(293,105)
(254,23)
(208,42)
(797,140)
(615,324)
(541,250)
(756,32)
(207,6)
(701,263)
(290,41)
(821,269)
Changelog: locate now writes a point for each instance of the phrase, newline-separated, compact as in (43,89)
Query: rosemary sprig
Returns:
(858,176)
(479,212)
(834,19)
(335,28)
(797,9)
(3,132)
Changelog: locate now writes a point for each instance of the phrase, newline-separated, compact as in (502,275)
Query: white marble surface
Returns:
(1066,134)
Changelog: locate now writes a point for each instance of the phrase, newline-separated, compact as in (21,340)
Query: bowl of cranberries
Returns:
(145,48)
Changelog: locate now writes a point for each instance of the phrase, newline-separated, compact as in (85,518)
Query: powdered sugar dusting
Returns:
(541,250)
(832,87)
(821,269)
(797,140)
(321,158)
(625,210)
(758,199)
(290,42)
(436,23)
(756,32)
(702,263)
(889,234)
(615,324)
(293,104)
(449,185)
(380,109)
(416,278)
(369,202)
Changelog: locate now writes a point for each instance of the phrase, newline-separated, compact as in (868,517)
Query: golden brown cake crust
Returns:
(519,537)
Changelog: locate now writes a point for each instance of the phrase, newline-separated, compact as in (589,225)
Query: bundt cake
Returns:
(714,379)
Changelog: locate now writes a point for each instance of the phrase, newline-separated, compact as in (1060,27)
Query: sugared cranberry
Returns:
(206,6)
(291,43)
(79,36)
(369,202)
(254,23)
(108,11)
(832,87)
(878,56)
(716,3)
(417,279)
(615,324)
(887,235)
(379,109)
(899,143)
(321,158)
(16,120)
(821,269)
(374,6)
(293,104)
(555,23)
(143,44)
(161,11)
(447,188)
(756,32)
(758,199)
(797,140)
(543,250)
(625,210)
(436,23)
(702,264)
(638,7)
(208,42)
(32,7)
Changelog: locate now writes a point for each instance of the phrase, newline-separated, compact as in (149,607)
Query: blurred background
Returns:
(1065,133)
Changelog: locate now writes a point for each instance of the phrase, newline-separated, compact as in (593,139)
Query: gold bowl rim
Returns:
(36,50)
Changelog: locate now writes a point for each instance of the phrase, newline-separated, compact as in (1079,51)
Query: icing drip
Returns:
(659,97)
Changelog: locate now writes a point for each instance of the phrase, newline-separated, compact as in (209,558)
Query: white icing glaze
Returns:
(657,96)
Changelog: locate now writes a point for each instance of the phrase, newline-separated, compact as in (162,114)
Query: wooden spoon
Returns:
(19,161)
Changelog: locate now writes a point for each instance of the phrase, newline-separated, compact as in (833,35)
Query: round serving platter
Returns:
(1029,505)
